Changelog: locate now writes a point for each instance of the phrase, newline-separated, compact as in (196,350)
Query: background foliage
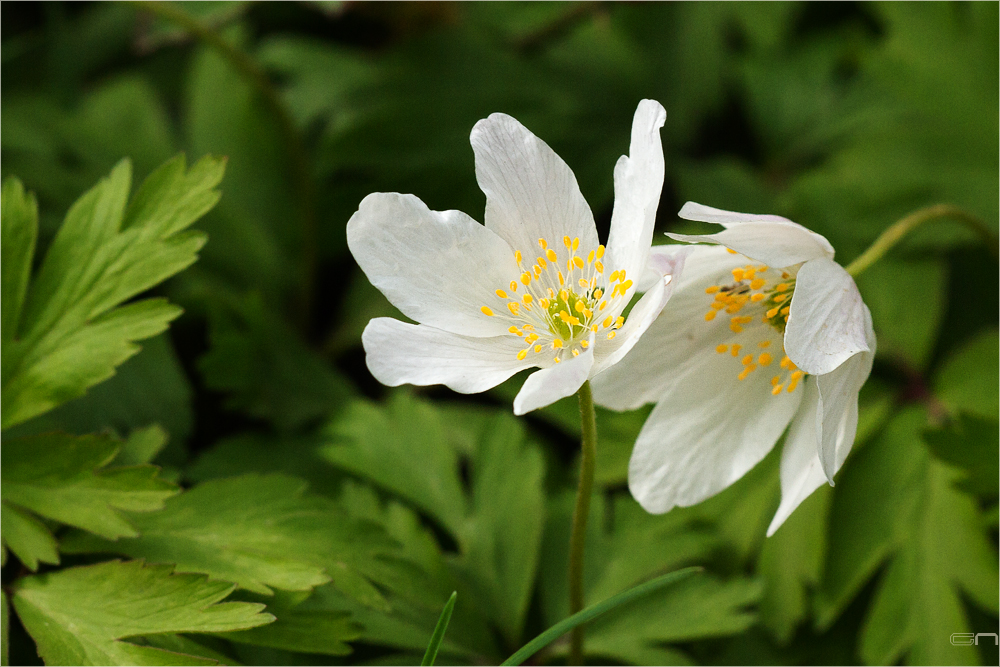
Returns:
(248,447)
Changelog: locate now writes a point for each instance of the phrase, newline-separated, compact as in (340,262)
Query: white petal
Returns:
(530,192)
(643,314)
(707,430)
(801,470)
(401,353)
(838,403)
(438,268)
(675,337)
(826,320)
(550,384)
(770,239)
(638,182)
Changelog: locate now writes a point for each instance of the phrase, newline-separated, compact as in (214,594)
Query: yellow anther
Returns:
(730,251)
(625,285)
(785,361)
(599,267)
(737,274)
(550,254)
(528,327)
(576,243)
(588,313)
(541,262)
(585,344)
(564,316)
(538,348)
(736,349)
(556,344)
(598,293)
(721,349)
(743,319)
(771,313)
(543,244)
(762,268)
(775,380)
(567,242)
(758,297)
(746,372)
(712,290)
(527,298)
(607,321)
(777,389)
(530,338)
(576,353)
(749,273)
(792,385)
(797,375)
(544,303)
(575,321)
(784,311)
(522,354)
(514,330)
(537,271)
(593,328)
(764,344)
(500,293)
(578,262)
(764,359)
(582,282)
(600,251)
(619,322)
(782,287)
(786,275)
(569,265)
(780,298)
(513,286)
(517,256)
(735,328)
(611,334)
(604,304)
(710,315)
(562,280)
(579,307)
(757,283)
(514,307)
(525,277)
(486,311)
(614,276)
(557,360)
(552,293)
(590,257)
(563,296)
(747,360)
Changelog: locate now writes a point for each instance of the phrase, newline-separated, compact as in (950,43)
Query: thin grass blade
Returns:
(442,626)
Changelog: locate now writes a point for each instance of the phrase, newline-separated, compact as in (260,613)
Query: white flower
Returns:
(531,288)
(764,329)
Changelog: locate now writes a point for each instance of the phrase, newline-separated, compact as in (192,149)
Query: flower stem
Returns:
(904,226)
(581,511)
(300,174)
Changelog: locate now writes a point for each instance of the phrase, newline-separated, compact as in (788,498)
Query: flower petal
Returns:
(801,470)
(401,353)
(838,403)
(707,430)
(550,384)
(638,183)
(438,268)
(643,314)
(826,320)
(770,239)
(530,192)
(675,337)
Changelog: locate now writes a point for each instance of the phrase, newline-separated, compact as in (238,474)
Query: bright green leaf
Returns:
(19,222)
(81,615)
(72,332)
(970,443)
(967,381)
(29,539)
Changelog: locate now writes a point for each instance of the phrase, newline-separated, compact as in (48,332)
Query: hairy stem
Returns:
(301,178)
(904,226)
(580,513)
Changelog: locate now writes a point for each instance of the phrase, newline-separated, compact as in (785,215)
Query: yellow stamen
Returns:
(525,278)
(747,360)
(513,306)
(784,311)
(746,372)
(543,244)
(486,311)
(735,328)
(517,256)
(764,359)
(522,354)
(557,360)
(585,344)
(579,307)
(578,262)
(527,298)
(500,293)
(721,349)
(576,353)
(530,338)
(528,327)
(590,257)
(514,330)
(614,276)
(567,242)
(730,251)
(736,349)
(712,290)
(563,296)
(607,321)
(598,293)
(771,313)
(710,315)
(557,343)
(541,262)
(600,251)
(562,280)
(764,344)
(758,297)
(611,334)
(757,283)
(538,348)
(782,287)
(550,254)
(737,274)
(599,266)
(775,380)
(576,243)
(780,298)
(544,303)
(777,389)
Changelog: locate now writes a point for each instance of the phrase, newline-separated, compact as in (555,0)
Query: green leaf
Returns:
(931,535)
(65,478)
(142,446)
(411,433)
(266,370)
(442,626)
(19,223)
(259,532)
(971,444)
(81,615)
(967,380)
(72,332)
(4,631)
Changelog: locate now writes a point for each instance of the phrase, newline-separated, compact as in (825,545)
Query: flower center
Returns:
(555,305)
(763,297)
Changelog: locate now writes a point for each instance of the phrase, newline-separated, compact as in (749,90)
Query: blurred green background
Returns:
(841,116)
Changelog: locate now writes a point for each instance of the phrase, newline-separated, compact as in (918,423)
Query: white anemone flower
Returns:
(764,329)
(532,288)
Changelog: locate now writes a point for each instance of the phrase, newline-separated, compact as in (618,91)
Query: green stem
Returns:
(904,226)
(247,68)
(430,655)
(581,511)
